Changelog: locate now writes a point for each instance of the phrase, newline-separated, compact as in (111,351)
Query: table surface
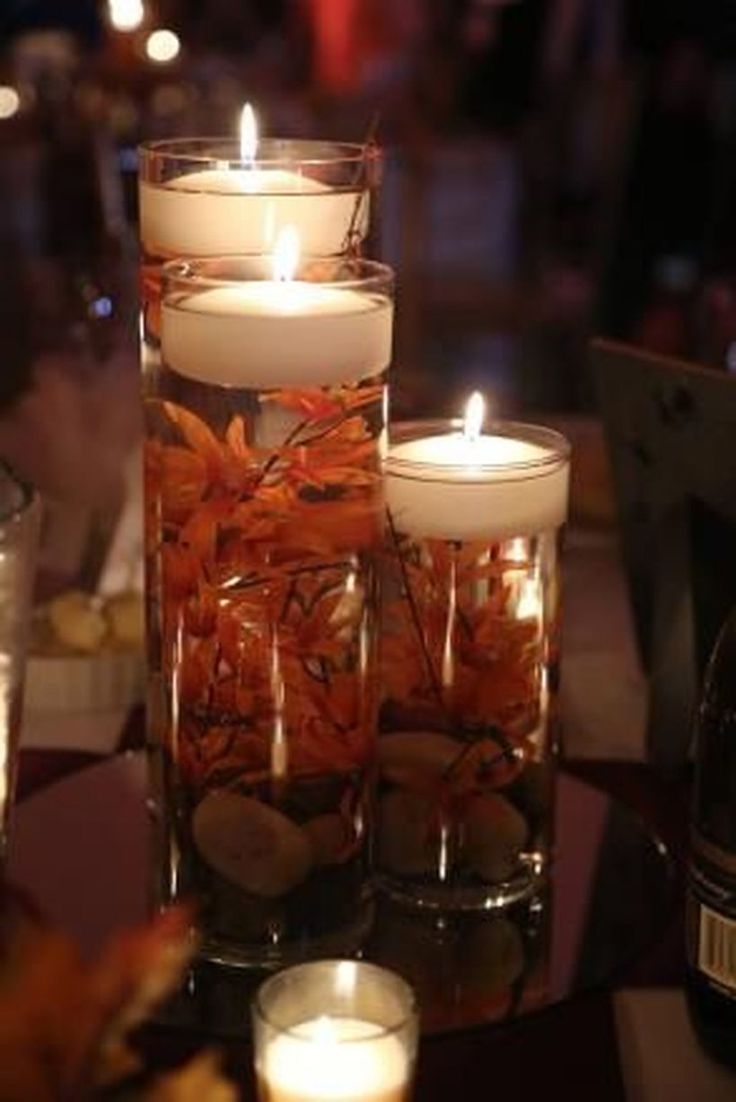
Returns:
(632,1041)
(574,1041)
(467,970)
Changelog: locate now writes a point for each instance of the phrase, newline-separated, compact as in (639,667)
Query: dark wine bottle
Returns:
(711,885)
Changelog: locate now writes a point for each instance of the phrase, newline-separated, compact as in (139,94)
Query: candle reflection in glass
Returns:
(470,655)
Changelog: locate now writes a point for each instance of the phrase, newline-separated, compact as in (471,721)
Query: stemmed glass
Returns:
(19,525)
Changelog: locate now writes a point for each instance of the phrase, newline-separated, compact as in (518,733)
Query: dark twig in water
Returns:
(416,618)
(351,243)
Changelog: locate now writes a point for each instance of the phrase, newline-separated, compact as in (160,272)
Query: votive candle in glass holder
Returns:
(209,197)
(470,642)
(265,433)
(337,1030)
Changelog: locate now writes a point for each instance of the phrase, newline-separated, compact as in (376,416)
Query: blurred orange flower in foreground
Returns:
(64,1023)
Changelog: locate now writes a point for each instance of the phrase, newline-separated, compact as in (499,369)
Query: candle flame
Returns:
(286,254)
(248,134)
(475,412)
(324,1031)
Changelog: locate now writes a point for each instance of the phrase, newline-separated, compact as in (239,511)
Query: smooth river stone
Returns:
(250,844)
(330,837)
(494,835)
(403,755)
(490,956)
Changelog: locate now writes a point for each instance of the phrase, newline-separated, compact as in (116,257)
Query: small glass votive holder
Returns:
(470,640)
(337,1030)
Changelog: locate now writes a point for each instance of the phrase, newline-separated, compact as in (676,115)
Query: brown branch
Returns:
(416,619)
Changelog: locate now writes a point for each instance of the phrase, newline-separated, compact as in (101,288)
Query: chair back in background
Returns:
(671,433)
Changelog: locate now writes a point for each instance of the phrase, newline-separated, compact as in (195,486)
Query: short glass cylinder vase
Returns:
(470,638)
(264,495)
(200,197)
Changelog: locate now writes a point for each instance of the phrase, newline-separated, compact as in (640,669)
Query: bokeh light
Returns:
(162,46)
(9,101)
(126,15)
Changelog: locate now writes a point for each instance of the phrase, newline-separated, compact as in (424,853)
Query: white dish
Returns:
(106,682)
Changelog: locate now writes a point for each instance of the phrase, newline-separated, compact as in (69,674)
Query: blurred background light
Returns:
(162,46)
(9,101)
(126,15)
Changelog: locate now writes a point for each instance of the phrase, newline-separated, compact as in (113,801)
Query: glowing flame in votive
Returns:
(126,15)
(475,412)
(324,1031)
(248,134)
(286,254)
(162,46)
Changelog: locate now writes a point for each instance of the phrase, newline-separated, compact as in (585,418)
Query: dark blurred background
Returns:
(553,169)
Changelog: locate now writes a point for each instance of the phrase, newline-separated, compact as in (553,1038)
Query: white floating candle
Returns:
(223,210)
(345,1059)
(465,485)
(275,333)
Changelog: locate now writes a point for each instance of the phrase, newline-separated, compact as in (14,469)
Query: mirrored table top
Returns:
(610,894)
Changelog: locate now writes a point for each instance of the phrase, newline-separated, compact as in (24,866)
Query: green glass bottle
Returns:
(711,884)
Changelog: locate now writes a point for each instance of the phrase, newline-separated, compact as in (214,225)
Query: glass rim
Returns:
(398,983)
(556,446)
(184,149)
(29,496)
(187,271)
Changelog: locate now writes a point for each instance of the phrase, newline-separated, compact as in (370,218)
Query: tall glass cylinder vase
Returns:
(207,197)
(265,428)
(470,663)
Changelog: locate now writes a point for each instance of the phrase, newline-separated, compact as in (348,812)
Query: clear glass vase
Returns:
(470,638)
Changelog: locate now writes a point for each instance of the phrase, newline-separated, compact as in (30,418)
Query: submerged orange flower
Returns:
(263,597)
(463,655)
